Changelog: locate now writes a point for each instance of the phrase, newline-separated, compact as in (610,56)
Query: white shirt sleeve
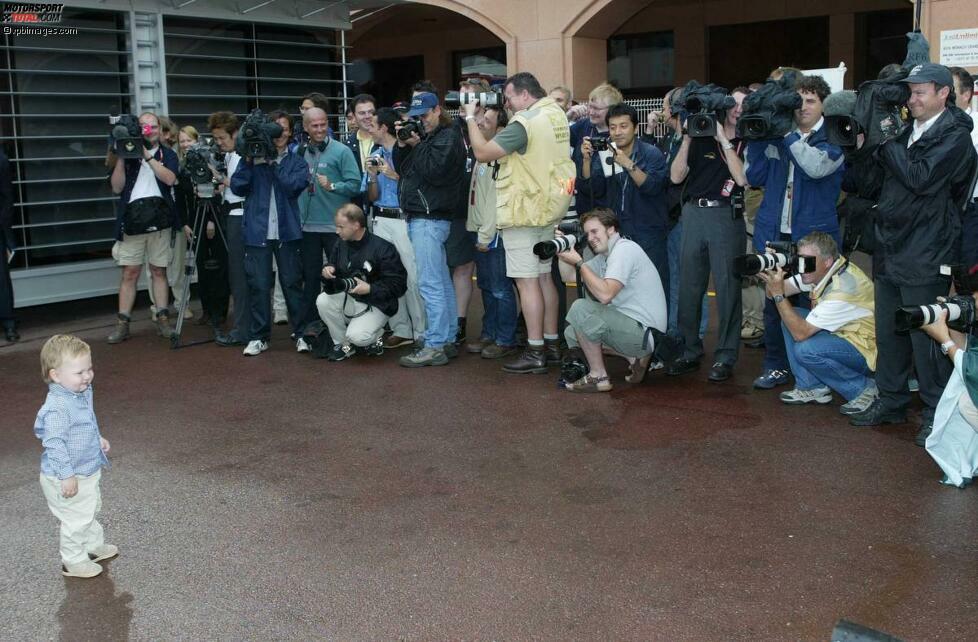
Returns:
(620,264)
(832,315)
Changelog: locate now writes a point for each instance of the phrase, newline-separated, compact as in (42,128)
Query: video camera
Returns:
(127,135)
(256,138)
(201,161)
(702,107)
(769,112)
(484,98)
(411,126)
(573,237)
(960,307)
(785,256)
(339,284)
(877,113)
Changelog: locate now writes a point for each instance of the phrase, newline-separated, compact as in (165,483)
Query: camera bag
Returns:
(146,215)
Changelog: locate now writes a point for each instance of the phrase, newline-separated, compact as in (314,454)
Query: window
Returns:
(487,63)
(642,65)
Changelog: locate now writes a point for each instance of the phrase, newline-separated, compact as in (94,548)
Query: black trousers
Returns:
(7,319)
(898,353)
(314,245)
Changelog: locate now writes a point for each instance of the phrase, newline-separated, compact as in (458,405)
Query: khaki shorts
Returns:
(606,325)
(521,262)
(153,248)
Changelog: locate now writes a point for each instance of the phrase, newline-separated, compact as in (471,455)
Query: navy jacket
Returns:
(290,177)
(819,167)
(169,159)
(641,210)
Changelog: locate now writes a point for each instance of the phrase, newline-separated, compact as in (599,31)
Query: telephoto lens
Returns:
(338,285)
(751,264)
(549,249)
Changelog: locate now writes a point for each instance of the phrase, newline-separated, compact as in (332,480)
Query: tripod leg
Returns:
(190,265)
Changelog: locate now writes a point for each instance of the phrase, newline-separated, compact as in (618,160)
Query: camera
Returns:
(769,111)
(484,98)
(201,161)
(411,126)
(339,284)
(127,135)
(785,256)
(573,236)
(877,113)
(960,307)
(375,161)
(601,144)
(702,106)
(256,138)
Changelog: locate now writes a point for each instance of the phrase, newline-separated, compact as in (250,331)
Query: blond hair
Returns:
(607,93)
(190,131)
(58,349)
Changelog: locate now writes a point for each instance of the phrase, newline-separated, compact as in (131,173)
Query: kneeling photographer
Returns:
(953,442)
(833,345)
(362,281)
(626,304)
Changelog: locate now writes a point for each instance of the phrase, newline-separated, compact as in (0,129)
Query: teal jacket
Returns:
(316,205)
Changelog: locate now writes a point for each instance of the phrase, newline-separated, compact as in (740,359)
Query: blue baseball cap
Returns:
(930,72)
(422,104)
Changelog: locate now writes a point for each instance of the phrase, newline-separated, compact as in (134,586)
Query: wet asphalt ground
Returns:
(281,497)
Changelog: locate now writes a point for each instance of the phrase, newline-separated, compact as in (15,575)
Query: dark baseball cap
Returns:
(423,103)
(930,72)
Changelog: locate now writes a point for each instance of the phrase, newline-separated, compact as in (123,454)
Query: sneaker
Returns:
(375,349)
(913,384)
(280,318)
(394,341)
(81,569)
(862,402)
(424,357)
(341,352)
(877,415)
(152,312)
(255,348)
(103,552)
(228,340)
(476,347)
(771,379)
(925,430)
(750,332)
(460,333)
(450,350)
(796,397)
(301,345)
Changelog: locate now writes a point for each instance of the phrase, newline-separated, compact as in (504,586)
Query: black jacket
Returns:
(430,174)
(387,279)
(918,223)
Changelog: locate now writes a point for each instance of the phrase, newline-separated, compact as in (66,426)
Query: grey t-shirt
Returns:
(512,138)
(641,297)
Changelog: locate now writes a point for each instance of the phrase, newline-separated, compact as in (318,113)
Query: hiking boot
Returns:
(496,351)
(163,327)
(424,357)
(552,351)
(476,347)
(862,402)
(121,332)
(81,569)
(533,360)
(797,397)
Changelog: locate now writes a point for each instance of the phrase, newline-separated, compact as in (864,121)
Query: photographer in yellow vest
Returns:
(833,346)
(534,185)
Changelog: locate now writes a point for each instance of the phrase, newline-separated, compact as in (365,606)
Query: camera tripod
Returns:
(207,209)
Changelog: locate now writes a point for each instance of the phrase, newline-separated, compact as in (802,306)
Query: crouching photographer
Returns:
(953,441)
(362,281)
(626,309)
(833,345)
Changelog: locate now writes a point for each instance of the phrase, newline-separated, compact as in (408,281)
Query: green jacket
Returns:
(336,162)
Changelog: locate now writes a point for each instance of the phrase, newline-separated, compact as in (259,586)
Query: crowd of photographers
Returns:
(375,236)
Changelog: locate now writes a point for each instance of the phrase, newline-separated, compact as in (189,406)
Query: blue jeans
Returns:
(259,275)
(498,297)
(673,245)
(428,237)
(827,359)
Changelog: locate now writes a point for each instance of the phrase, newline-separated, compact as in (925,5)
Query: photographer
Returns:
(533,187)
(355,316)
(953,442)
(713,234)
(636,188)
(594,124)
(145,214)
(408,323)
(927,177)
(627,301)
(431,168)
(833,345)
(334,181)
(271,227)
(224,129)
(801,174)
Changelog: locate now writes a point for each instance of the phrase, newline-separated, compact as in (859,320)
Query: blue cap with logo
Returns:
(930,72)
(422,104)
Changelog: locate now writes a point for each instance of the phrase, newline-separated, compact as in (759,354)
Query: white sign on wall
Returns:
(959,48)
(834,76)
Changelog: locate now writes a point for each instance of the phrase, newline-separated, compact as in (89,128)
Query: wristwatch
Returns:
(777,298)
(946,346)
